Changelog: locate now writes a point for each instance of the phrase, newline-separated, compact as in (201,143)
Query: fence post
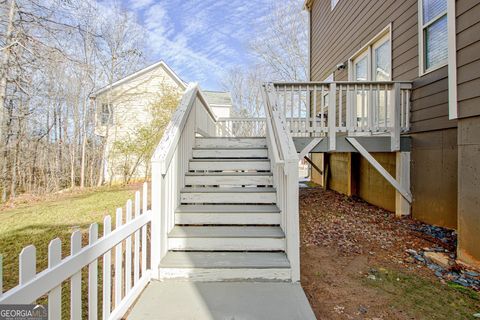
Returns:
(156,236)
(332,130)
(291,210)
(396,117)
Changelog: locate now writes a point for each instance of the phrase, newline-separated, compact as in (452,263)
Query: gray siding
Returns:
(468,57)
(338,34)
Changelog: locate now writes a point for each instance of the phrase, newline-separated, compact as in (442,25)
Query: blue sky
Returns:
(200,39)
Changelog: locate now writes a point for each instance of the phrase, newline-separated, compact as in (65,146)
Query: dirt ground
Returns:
(355,266)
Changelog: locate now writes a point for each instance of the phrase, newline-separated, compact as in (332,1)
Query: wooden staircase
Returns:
(227,226)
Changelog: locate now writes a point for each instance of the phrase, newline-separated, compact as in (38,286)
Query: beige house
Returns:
(125,105)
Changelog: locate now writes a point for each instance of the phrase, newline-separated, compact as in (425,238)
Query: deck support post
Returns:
(402,206)
(332,116)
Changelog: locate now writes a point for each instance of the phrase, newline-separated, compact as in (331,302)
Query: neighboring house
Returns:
(124,105)
(436,45)
(220,102)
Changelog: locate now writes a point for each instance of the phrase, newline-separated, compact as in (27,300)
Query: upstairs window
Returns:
(433,34)
(334,3)
(106,115)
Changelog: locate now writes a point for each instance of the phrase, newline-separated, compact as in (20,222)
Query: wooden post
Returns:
(332,96)
(156,236)
(293,232)
(396,117)
(402,206)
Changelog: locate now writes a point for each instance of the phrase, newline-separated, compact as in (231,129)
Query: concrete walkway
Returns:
(222,300)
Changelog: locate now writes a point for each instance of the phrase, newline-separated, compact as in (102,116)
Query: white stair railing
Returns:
(241,127)
(170,163)
(317,109)
(128,282)
(284,162)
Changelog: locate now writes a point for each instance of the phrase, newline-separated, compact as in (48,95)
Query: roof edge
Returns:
(136,74)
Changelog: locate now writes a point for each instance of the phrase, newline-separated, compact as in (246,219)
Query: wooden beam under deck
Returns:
(370,143)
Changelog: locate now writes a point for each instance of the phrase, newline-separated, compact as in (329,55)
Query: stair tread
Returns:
(230,138)
(227,190)
(228,208)
(229,174)
(229,160)
(226,232)
(231,260)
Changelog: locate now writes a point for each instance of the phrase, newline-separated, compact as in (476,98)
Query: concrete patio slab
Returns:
(222,300)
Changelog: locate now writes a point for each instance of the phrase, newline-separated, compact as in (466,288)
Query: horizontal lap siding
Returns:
(339,34)
(468,57)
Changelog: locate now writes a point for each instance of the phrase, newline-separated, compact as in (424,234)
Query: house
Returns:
(435,46)
(124,106)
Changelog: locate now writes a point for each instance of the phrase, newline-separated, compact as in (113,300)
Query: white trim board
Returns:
(452,61)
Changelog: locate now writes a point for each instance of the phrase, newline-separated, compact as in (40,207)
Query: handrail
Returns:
(305,83)
(170,163)
(242,119)
(285,176)
(166,148)
(287,148)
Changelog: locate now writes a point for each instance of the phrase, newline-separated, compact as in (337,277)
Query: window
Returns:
(372,63)
(106,116)
(334,3)
(433,34)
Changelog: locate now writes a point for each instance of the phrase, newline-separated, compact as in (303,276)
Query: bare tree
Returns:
(281,50)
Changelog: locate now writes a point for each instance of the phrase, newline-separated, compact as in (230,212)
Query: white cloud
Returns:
(140,4)
(201,39)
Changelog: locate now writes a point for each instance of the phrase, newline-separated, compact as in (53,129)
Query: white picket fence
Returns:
(128,243)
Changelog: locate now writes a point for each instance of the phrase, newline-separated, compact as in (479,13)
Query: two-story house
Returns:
(435,45)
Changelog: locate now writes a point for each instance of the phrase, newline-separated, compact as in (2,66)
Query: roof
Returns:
(132,76)
(218,98)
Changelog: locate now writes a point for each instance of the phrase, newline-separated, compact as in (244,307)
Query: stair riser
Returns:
(230,143)
(230,166)
(227,244)
(226,197)
(230,153)
(227,218)
(205,274)
(229,180)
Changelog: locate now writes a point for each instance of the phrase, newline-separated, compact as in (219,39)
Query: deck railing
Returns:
(317,109)
(284,166)
(170,164)
(123,253)
(241,127)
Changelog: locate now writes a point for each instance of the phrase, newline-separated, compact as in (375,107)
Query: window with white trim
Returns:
(334,3)
(433,34)
(106,114)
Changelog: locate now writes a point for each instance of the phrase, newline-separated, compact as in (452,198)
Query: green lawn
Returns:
(40,222)
(427,299)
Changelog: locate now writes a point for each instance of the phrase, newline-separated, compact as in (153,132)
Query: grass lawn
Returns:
(55,217)
(422,298)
